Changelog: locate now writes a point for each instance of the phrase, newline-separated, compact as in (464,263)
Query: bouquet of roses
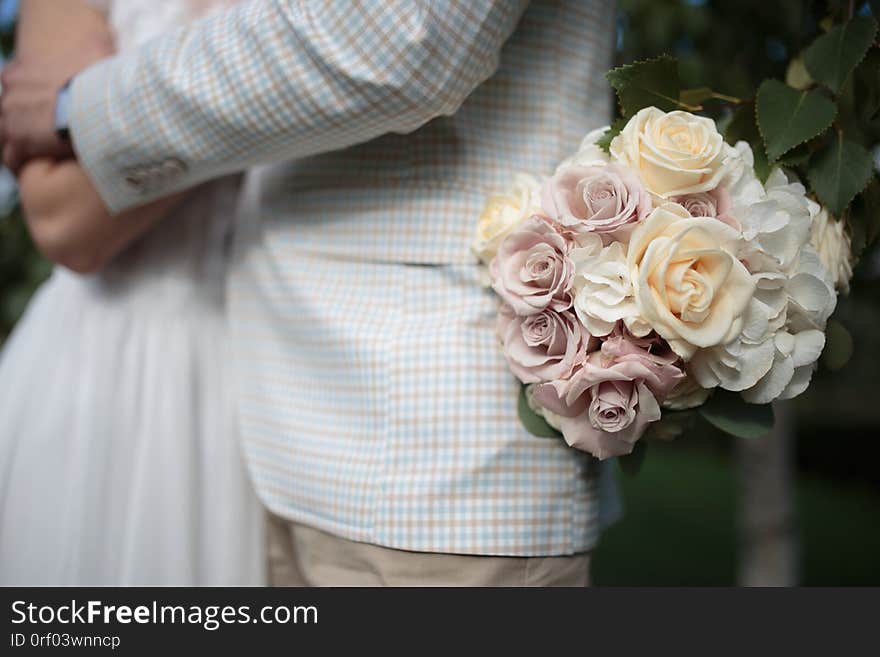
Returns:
(660,268)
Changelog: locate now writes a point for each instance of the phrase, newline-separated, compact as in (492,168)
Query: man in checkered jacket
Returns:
(377,412)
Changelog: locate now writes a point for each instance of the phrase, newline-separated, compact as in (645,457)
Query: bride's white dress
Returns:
(119,455)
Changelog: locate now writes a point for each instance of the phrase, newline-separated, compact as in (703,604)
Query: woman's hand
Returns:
(65,215)
(68,220)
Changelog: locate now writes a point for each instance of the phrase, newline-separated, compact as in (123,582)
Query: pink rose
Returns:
(715,203)
(660,364)
(607,404)
(543,346)
(607,200)
(531,270)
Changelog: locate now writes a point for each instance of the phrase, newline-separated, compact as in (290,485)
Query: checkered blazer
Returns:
(375,402)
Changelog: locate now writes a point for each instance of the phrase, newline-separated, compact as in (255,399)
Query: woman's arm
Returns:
(66,217)
(68,221)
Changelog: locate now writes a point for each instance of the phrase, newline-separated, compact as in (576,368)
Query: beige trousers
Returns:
(303,556)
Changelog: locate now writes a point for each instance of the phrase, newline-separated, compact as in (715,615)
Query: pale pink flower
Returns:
(715,203)
(606,200)
(607,404)
(544,346)
(532,270)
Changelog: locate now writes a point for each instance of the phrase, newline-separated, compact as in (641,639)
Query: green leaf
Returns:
(744,127)
(730,413)
(871,203)
(671,425)
(652,82)
(866,92)
(838,172)
(864,217)
(613,130)
(632,462)
(695,96)
(788,118)
(833,56)
(534,423)
(795,157)
(838,346)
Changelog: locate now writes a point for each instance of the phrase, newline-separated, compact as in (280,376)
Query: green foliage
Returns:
(671,425)
(646,83)
(694,97)
(22,269)
(788,117)
(534,423)
(866,95)
(728,412)
(838,172)
(833,56)
(608,136)
(864,219)
(632,463)
(743,126)
(833,87)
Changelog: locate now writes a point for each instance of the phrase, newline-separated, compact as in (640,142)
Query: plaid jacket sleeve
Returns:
(274,80)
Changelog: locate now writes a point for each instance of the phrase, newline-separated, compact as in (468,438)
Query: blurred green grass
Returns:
(680,525)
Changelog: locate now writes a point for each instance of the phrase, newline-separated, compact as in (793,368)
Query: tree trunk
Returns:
(768,538)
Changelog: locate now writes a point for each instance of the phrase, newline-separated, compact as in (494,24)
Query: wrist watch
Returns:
(62,113)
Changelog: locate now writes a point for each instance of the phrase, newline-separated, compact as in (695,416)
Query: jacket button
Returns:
(134,179)
(173,167)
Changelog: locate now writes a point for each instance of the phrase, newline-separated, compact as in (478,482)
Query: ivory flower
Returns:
(688,283)
(503,213)
(603,292)
(674,153)
(532,270)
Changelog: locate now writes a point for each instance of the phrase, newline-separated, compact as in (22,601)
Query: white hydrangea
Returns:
(775,226)
(774,355)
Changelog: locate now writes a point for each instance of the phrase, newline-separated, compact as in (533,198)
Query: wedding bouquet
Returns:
(661,268)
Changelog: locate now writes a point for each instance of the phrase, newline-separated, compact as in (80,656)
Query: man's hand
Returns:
(27,114)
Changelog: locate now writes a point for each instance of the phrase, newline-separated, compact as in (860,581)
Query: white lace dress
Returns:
(119,455)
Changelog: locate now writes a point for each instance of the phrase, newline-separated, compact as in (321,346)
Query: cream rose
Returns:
(687,280)
(675,153)
(503,213)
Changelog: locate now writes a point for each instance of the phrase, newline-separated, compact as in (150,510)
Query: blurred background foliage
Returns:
(680,526)
(22,268)
(681,517)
